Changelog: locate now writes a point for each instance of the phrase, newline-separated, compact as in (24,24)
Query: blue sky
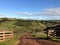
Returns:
(30,9)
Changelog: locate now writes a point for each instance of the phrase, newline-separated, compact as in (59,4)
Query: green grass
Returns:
(9,42)
(55,39)
(37,35)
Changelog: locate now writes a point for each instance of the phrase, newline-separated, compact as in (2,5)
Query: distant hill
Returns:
(20,25)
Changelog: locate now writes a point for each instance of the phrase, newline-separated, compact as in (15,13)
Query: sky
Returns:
(30,9)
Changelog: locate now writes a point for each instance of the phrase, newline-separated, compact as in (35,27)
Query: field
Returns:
(21,27)
(27,39)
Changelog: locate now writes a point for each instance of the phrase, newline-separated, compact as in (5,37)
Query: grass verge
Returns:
(9,42)
(39,35)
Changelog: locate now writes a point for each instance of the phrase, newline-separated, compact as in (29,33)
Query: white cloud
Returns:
(49,13)
(23,13)
(1,16)
(52,11)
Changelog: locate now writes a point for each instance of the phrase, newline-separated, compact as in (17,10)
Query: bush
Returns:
(54,39)
(9,42)
(39,35)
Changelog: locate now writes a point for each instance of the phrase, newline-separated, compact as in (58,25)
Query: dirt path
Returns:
(28,40)
(48,42)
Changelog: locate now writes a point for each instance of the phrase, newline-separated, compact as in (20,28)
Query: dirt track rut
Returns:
(28,40)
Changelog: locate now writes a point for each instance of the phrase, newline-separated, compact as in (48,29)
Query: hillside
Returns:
(20,26)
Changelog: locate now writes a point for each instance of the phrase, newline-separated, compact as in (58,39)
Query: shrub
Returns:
(39,35)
